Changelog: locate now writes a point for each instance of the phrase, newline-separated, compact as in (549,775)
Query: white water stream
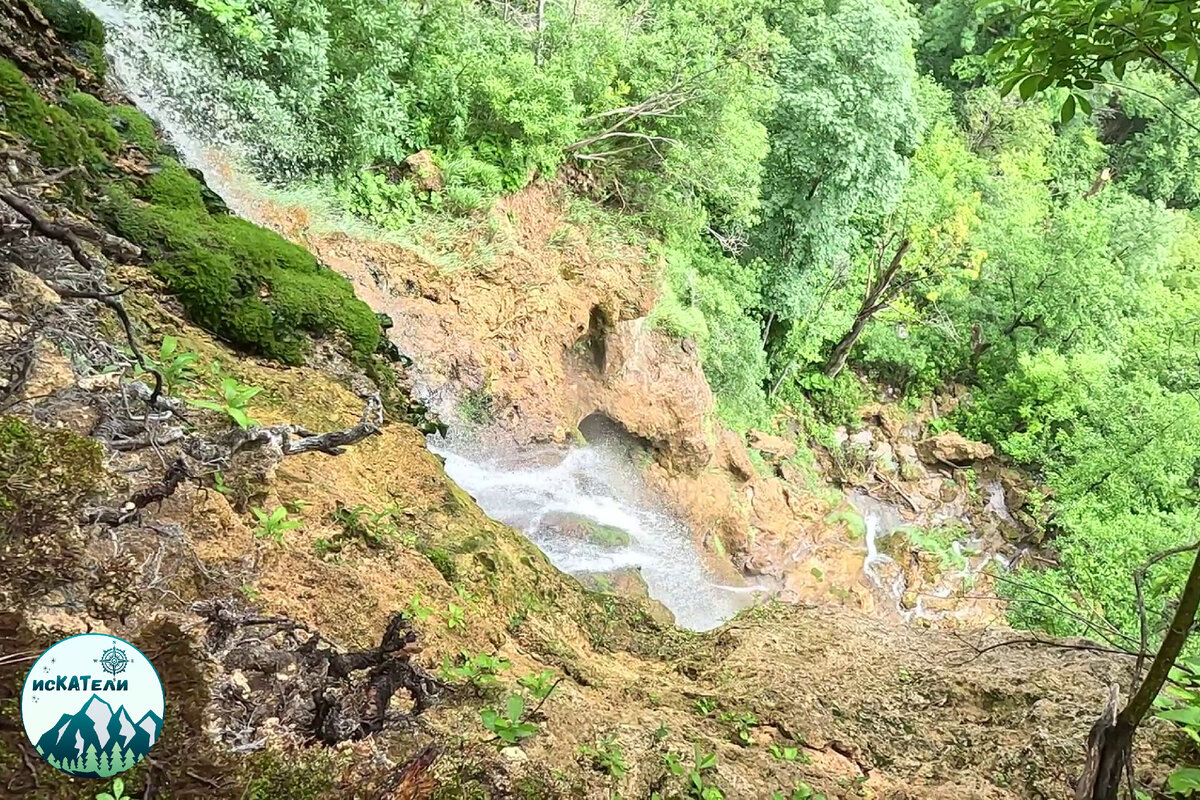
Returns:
(178,86)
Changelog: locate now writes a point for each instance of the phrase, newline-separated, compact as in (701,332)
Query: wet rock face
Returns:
(629,583)
(656,390)
(953,448)
(580,527)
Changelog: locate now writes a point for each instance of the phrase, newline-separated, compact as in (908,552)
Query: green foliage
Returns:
(1080,44)
(175,366)
(273,525)
(116,793)
(1180,704)
(231,398)
(788,753)
(509,725)
(353,89)
(801,791)
(606,756)
(455,619)
(697,776)
(371,529)
(481,670)
(839,148)
(538,684)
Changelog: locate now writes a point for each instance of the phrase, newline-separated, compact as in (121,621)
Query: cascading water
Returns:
(534,488)
(176,84)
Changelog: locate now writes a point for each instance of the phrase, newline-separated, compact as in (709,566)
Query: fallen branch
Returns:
(177,473)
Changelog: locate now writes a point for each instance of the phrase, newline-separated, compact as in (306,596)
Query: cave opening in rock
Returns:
(600,429)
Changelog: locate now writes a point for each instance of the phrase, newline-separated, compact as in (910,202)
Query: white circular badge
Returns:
(92,705)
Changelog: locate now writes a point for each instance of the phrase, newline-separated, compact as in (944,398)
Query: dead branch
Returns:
(177,473)
(290,440)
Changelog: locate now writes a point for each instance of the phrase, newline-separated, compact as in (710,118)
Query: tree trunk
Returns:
(1111,739)
(837,358)
(877,297)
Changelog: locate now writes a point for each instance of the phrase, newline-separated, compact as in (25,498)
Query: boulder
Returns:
(629,583)
(953,448)
(578,526)
(655,389)
(774,447)
(735,458)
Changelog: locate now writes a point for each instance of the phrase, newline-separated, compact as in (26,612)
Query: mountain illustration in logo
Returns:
(98,742)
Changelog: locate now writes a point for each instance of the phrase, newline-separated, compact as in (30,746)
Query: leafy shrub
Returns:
(273,525)
(509,725)
(231,399)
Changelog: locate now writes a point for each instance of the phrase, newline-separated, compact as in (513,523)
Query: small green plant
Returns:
(661,732)
(219,483)
(274,525)
(706,706)
(606,756)
(539,684)
(480,670)
(116,793)
(801,791)
(509,726)
(1179,703)
(250,593)
(697,786)
(374,530)
(742,723)
(454,617)
(788,753)
(175,366)
(418,611)
(231,399)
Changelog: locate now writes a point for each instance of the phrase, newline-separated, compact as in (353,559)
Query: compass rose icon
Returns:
(114,661)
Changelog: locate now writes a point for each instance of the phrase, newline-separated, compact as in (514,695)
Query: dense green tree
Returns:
(843,130)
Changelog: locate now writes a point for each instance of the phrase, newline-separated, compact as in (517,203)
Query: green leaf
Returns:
(1068,109)
(211,406)
(1029,86)
(118,786)
(1185,780)
(1187,716)
(516,707)
(240,417)
(278,514)
(105,796)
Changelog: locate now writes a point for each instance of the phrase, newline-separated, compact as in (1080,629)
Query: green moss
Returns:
(57,136)
(93,56)
(314,776)
(95,117)
(72,22)
(44,474)
(246,284)
(135,128)
(444,563)
(173,187)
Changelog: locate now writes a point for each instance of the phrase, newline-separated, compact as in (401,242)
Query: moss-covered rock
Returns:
(54,133)
(243,283)
(578,526)
(72,22)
